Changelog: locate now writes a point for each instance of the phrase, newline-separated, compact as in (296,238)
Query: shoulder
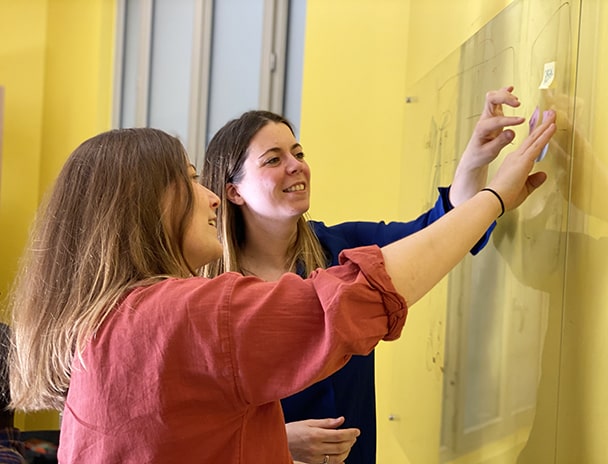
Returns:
(178,289)
(335,238)
(343,229)
(183,296)
(356,233)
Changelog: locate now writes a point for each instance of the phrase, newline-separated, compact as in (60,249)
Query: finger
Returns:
(493,124)
(498,143)
(338,451)
(338,458)
(504,96)
(341,435)
(539,136)
(539,143)
(535,180)
(329,423)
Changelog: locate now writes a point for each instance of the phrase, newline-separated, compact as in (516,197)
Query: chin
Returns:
(301,211)
(216,254)
(210,255)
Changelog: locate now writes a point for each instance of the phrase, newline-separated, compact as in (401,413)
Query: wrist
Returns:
(498,197)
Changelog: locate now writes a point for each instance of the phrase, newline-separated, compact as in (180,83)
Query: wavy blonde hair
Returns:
(224,160)
(99,233)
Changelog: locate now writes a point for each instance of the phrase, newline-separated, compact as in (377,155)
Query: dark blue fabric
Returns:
(12,447)
(350,392)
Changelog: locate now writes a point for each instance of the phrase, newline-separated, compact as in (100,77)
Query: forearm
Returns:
(443,243)
(468,180)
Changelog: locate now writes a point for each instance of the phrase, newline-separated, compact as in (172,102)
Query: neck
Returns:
(266,252)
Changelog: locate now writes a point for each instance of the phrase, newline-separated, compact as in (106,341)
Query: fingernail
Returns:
(548,113)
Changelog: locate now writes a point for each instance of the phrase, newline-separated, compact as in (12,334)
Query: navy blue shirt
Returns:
(350,392)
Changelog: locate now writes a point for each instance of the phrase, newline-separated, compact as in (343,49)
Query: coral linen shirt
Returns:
(192,370)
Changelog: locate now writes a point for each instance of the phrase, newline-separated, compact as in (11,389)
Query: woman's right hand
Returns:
(417,262)
(311,440)
(513,181)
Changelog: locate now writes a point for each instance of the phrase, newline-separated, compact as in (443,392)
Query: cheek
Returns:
(263,186)
(306,171)
(255,189)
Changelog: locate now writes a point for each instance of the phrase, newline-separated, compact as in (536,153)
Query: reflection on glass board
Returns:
(497,317)
(497,341)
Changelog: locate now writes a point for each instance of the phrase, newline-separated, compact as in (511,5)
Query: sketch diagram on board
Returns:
(499,302)
(498,323)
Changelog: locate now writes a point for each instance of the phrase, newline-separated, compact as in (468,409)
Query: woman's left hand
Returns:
(319,441)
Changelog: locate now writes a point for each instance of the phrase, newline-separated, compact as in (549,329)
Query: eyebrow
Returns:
(277,149)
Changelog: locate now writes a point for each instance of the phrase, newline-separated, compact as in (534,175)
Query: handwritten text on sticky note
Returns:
(548,75)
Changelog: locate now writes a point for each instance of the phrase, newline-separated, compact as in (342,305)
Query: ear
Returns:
(232,193)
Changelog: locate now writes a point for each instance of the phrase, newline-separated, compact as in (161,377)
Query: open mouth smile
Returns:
(296,188)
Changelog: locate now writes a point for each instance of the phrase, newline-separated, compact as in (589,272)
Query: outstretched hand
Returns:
(488,139)
(513,180)
(311,440)
(407,260)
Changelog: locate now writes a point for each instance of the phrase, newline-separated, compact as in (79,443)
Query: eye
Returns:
(272,161)
(195,177)
(299,155)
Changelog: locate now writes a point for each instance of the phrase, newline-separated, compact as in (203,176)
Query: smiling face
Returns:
(276,179)
(201,244)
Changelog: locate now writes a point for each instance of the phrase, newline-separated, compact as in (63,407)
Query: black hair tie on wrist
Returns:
(502,204)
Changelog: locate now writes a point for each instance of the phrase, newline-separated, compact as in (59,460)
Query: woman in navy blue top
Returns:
(256,166)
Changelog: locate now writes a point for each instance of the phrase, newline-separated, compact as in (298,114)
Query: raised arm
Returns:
(445,242)
(488,139)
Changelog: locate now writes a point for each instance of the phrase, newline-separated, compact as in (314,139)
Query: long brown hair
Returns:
(98,234)
(224,160)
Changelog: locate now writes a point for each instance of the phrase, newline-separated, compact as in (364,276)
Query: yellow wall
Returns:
(351,74)
(22,54)
(56,67)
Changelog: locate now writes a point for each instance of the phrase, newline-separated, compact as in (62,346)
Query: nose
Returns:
(294,165)
(214,200)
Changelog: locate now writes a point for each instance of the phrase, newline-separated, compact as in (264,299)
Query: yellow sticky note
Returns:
(548,75)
